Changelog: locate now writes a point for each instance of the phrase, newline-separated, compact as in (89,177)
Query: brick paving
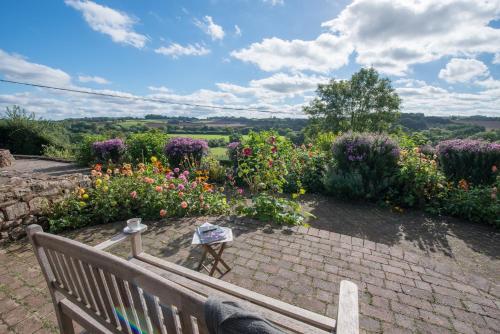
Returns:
(401,290)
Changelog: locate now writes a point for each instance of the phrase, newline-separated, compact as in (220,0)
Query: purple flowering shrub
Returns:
(470,160)
(371,160)
(232,149)
(109,150)
(181,149)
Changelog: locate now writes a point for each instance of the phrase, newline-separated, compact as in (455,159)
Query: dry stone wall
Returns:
(24,198)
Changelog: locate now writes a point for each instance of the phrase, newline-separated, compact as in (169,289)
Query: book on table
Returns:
(211,233)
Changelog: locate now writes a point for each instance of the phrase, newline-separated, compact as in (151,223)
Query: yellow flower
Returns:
(154,159)
(294,196)
(82,204)
(98,182)
(81,191)
(105,189)
(85,196)
(302,191)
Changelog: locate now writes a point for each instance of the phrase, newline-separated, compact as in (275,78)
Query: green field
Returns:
(199,136)
(219,153)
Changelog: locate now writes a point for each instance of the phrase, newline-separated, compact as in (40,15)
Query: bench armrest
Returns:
(348,313)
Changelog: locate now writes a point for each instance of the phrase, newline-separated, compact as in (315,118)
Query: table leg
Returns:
(203,257)
(218,258)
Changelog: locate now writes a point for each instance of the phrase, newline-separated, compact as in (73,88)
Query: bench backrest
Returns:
(119,295)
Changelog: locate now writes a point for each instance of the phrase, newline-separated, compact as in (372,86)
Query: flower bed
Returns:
(151,192)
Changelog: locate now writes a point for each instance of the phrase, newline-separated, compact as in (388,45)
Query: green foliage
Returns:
(216,172)
(263,161)
(472,160)
(84,155)
(142,146)
(418,182)
(343,185)
(144,193)
(478,204)
(305,170)
(22,133)
(372,157)
(366,102)
(57,152)
(266,207)
(324,141)
(217,142)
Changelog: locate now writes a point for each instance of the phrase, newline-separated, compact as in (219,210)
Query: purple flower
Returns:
(180,148)
(112,149)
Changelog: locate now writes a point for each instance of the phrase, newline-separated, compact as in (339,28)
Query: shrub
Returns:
(232,149)
(216,172)
(109,150)
(150,192)
(56,152)
(264,161)
(84,155)
(22,133)
(142,146)
(271,208)
(471,160)
(345,185)
(306,168)
(218,142)
(478,204)
(373,157)
(418,181)
(179,150)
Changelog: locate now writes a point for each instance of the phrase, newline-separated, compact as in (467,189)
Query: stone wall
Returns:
(24,198)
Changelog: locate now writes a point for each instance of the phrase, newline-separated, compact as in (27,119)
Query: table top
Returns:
(229,236)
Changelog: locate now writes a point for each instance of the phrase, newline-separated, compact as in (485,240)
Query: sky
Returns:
(267,56)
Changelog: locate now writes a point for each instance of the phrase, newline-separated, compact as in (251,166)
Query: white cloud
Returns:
(237,30)
(95,79)
(209,27)
(433,100)
(16,67)
(118,25)
(391,35)
(274,2)
(176,50)
(326,53)
(161,89)
(496,59)
(463,70)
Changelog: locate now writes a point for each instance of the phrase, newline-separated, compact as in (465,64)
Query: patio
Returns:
(404,287)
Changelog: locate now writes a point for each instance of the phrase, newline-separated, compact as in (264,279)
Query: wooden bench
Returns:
(106,294)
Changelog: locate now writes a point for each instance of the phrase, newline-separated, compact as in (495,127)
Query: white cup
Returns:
(134,223)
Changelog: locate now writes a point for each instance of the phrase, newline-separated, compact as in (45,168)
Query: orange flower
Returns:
(98,167)
(180,193)
(463,184)
(133,194)
(494,169)
(184,204)
(163,213)
(159,189)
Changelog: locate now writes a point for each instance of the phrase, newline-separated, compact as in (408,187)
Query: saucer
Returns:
(129,230)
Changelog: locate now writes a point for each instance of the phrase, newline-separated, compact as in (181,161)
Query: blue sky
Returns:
(442,56)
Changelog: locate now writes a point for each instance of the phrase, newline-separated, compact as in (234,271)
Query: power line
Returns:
(136,97)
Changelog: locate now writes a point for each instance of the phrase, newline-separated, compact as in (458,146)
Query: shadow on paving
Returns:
(427,232)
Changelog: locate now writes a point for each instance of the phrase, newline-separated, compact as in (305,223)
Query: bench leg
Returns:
(66,324)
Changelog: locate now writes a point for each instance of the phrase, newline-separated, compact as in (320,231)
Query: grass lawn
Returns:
(199,136)
(219,153)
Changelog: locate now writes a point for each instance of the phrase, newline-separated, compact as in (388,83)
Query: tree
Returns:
(366,102)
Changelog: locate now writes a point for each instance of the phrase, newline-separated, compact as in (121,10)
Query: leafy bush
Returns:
(418,181)
(84,155)
(372,157)
(22,133)
(218,142)
(216,172)
(178,150)
(142,146)
(109,150)
(271,208)
(306,168)
(56,152)
(478,204)
(470,160)
(264,161)
(344,185)
(150,192)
